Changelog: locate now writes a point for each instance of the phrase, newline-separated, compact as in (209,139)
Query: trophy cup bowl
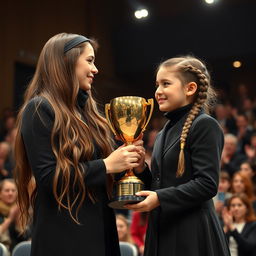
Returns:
(128,117)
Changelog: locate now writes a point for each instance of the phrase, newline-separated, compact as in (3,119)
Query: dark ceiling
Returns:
(218,34)
(224,30)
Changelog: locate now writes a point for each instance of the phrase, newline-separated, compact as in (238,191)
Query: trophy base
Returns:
(120,201)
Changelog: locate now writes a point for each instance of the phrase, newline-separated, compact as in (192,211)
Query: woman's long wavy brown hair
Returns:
(190,69)
(55,80)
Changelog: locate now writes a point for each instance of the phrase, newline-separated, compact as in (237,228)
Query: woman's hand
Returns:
(123,158)
(146,205)
(228,219)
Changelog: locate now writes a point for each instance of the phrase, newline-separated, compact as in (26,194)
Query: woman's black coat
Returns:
(246,240)
(54,232)
(185,223)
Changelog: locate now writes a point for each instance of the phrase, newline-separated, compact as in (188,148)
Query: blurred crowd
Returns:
(235,202)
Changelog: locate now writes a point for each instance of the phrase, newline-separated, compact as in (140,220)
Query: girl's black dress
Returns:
(185,223)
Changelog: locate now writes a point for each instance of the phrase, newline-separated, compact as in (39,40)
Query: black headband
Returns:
(74,42)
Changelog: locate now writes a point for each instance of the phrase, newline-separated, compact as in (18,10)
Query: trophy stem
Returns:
(129,173)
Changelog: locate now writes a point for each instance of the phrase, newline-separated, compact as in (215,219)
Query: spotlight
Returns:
(237,64)
(142,13)
(209,1)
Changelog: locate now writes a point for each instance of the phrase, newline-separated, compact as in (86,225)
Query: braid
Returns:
(198,105)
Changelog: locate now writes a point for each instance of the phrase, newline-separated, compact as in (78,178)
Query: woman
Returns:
(8,196)
(123,229)
(240,226)
(64,143)
(248,168)
(242,184)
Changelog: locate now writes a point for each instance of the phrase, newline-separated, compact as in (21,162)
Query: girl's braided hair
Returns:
(190,69)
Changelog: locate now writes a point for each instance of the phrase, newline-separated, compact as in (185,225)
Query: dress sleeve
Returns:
(37,124)
(204,144)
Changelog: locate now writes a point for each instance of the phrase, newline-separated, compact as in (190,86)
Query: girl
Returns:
(185,166)
(64,143)
(240,226)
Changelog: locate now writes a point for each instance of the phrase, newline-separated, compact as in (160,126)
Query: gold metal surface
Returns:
(128,117)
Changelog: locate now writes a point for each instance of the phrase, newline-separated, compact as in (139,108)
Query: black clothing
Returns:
(54,232)
(234,163)
(246,240)
(185,223)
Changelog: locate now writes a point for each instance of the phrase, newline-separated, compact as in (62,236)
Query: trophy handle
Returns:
(151,103)
(107,108)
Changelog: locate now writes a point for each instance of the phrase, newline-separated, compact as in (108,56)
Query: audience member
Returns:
(242,184)
(223,193)
(123,229)
(5,149)
(226,121)
(6,113)
(231,159)
(8,196)
(248,168)
(138,229)
(240,226)
(250,150)
(244,132)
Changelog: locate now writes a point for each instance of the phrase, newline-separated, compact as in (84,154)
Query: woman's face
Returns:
(238,209)
(247,170)
(8,194)
(85,68)
(122,229)
(238,184)
(170,93)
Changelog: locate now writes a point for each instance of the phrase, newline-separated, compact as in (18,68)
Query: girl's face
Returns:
(8,194)
(247,170)
(122,229)
(85,68)
(238,209)
(171,93)
(238,184)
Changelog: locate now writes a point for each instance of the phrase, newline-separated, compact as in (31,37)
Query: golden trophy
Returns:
(128,117)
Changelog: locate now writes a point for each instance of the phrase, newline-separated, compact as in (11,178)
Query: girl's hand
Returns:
(150,203)
(123,158)
(142,153)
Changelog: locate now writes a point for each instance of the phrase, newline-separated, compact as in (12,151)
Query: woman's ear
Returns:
(191,88)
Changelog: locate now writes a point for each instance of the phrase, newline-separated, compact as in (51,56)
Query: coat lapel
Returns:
(157,149)
(173,135)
